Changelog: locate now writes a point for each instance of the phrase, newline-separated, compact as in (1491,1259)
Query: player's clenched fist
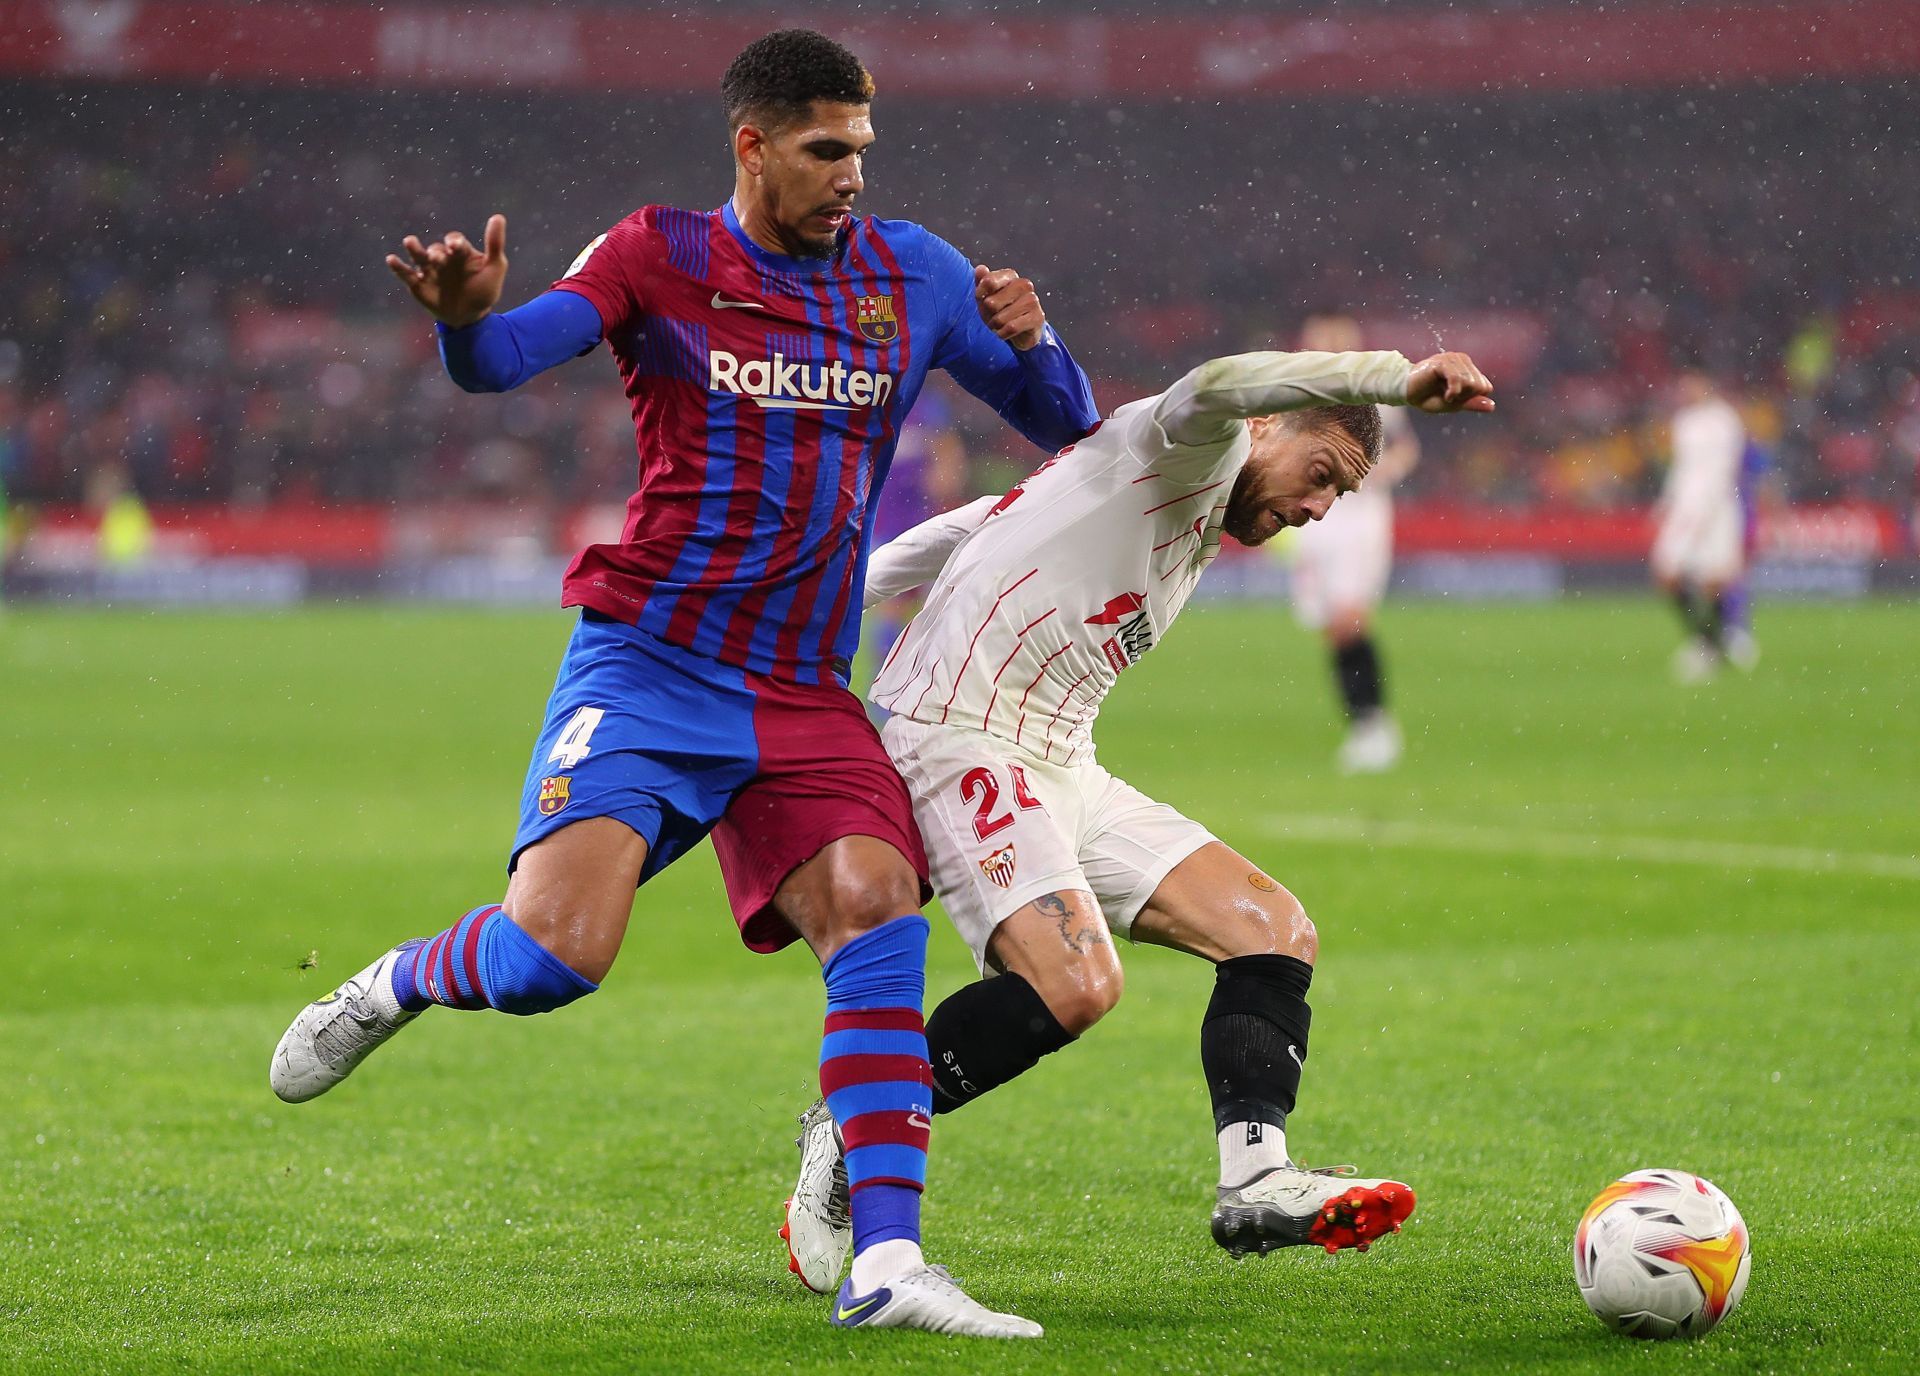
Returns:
(1009,305)
(455,281)
(1449,382)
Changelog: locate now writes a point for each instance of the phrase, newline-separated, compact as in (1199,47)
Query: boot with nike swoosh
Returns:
(1291,1206)
(927,1298)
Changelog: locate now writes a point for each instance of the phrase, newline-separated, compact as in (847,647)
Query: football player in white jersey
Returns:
(1040,599)
(1340,571)
(1699,550)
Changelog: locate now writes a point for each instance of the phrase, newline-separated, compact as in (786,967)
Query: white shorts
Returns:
(1003,828)
(1702,546)
(1342,563)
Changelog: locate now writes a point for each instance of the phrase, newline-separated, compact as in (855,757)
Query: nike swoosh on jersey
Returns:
(720,303)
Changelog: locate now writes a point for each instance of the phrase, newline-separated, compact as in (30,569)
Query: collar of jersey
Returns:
(778,262)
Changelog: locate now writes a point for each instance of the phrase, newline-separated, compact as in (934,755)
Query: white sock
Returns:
(884,1261)
(1248,1150)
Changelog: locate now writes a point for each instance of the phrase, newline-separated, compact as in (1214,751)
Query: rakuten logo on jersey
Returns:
(790,386)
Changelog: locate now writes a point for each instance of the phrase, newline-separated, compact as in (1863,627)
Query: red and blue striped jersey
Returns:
(767,395)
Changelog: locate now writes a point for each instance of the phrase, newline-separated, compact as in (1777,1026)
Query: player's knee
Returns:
(1279,927)
(574,939)
(862,902)
(851,887)
(1083,996)
(1082,992)
(521,974)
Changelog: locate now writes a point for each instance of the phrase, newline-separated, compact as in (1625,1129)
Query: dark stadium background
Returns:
(197,197)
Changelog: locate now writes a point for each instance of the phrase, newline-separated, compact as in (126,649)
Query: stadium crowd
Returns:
(191,288)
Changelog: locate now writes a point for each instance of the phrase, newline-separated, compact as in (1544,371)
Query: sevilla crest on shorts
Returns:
(999,867)
(555,793)
(876,319)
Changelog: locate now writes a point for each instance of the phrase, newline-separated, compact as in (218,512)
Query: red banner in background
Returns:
(368,536)
(1212,55)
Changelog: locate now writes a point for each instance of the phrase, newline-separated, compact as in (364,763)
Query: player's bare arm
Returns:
(457,283)
(1009,304)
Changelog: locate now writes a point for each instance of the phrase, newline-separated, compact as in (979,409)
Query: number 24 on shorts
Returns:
(981,790)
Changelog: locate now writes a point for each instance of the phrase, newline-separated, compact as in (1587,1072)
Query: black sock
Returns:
(1356,665)
(1689,610)
(1713,620)
(984,1034)
(1253,1042)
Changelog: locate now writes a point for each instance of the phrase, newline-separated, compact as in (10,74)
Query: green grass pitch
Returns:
(1597,922)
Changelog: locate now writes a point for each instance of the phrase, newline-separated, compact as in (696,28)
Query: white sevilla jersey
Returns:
(1044,596)
(1070,578)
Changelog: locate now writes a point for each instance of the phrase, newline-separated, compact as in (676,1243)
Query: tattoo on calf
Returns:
(1262,883)
(1079,938)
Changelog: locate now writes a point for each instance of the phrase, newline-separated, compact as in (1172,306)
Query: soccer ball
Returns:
(1661,1254)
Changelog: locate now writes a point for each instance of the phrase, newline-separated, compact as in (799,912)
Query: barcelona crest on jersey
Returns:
(554,794)
(876,319)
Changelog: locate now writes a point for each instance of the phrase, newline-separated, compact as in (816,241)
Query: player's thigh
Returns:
(1671,556)
(821,844)
(1129,845)
(640,750)
(572,891)
(994,843)
(1718,554)
(1217,904)
(1166,880)
(1060,945)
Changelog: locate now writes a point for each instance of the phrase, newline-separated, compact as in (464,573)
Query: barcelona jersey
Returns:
(767,394)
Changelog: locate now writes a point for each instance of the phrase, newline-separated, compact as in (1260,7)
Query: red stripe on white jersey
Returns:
(1197,492)
(1065,698)
(992,612)
(1019,640)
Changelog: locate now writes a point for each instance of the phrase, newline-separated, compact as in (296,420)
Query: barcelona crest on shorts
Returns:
(999,867)
(554,794)
(876,319)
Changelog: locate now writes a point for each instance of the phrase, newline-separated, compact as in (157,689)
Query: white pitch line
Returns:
(1656,850)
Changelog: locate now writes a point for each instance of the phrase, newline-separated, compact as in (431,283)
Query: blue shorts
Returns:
(675,744)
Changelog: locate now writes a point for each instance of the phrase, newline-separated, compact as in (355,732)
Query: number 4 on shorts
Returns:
(572,746)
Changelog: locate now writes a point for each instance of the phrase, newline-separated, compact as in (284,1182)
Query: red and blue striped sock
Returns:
(875,1076)
(485,960)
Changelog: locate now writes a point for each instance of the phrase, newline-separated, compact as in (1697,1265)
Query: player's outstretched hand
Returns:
(1009,305)
(1449,382)
(456,282)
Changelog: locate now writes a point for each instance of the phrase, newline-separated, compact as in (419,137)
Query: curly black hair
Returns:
(776,78)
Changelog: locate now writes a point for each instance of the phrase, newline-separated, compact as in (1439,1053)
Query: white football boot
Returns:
(1372,745)
(1743,651)
(1291,1206)
(334,1034)
(927,1297)
(1695,661)
(819,1223)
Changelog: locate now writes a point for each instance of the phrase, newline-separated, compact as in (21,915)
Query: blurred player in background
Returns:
(1040,600)
(1340,570)
(929,475)
(771,349)
(1699,550)
(1755,489)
